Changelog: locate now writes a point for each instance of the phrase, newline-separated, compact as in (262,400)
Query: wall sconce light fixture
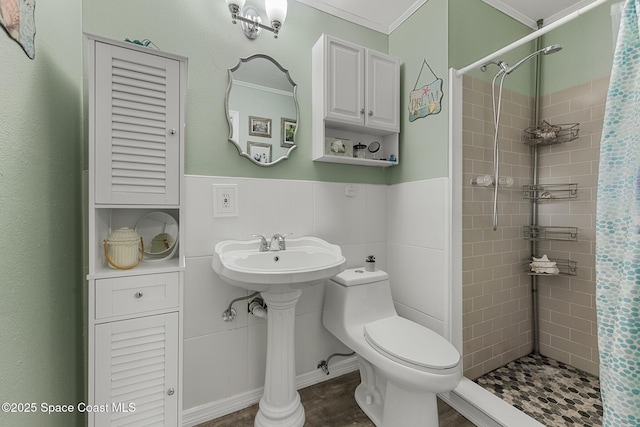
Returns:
(252,23)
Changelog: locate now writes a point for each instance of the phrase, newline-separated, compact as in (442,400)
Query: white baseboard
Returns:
(209,411)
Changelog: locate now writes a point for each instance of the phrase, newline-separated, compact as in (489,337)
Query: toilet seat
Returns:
(411,344)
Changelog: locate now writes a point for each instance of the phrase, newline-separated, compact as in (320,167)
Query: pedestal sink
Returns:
(280,277)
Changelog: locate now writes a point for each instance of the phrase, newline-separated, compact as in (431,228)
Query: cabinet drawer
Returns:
(136,294)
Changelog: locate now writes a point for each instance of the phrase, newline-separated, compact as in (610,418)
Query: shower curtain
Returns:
(618,232)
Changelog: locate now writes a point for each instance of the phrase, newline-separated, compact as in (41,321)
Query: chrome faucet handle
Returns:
(264,245)
(279,238)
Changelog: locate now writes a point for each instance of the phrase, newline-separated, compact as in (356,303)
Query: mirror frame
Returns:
(237,144)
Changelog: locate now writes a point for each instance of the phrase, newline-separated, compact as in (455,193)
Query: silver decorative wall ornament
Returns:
(18,19)
(426,100)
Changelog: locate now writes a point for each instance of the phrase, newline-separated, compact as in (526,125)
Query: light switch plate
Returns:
(225,200)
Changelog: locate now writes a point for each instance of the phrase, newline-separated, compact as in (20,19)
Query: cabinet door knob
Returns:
(172,131)
(370,113)
(171,391)
(362,111)
(139,294)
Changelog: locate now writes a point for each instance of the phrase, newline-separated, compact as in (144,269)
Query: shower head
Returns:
(545,51)
(552,49)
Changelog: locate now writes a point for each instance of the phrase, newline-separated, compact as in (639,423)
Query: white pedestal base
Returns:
(280,404)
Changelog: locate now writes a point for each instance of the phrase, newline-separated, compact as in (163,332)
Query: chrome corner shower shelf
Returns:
(541,232)
(548,134)
(544,192)
(566,267)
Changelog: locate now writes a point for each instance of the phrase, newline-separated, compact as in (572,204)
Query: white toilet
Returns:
(402,364)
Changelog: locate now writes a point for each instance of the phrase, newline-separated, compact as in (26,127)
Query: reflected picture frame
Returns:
(234,119)
(259,152)
(259,126)
(287,132)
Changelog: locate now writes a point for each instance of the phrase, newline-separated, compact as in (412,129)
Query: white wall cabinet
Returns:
(356,97)
(136,156)
(137,126)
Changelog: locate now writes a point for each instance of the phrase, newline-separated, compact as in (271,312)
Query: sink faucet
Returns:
(279,239)
(264,245)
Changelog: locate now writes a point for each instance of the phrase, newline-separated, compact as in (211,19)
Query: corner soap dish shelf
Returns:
(540,232)
(548,134)
(566,267)
(546,192)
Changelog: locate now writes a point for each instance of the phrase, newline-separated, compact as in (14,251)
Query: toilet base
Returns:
(397,406)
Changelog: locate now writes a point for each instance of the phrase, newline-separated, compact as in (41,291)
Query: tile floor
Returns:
(553,393)
(331,404)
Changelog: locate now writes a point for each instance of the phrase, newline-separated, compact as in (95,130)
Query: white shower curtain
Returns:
(618,232)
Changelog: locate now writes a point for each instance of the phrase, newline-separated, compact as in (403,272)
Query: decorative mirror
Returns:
(159,232)
(262,110)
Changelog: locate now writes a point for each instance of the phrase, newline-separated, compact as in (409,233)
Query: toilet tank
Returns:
(356,297)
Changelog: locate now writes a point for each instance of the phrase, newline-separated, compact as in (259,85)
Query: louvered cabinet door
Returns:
(137,127)
(136,371)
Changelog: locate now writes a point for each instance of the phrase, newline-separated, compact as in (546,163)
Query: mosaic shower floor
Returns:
(553,393)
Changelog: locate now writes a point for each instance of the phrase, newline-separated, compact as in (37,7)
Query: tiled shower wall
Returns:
(567,304)
(496,294)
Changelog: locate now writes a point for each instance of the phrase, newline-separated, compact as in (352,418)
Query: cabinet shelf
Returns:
(566,267)
(540,232)
(545,192)
(355,161)
(167,266)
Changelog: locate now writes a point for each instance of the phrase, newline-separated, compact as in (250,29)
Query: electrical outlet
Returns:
(225,200)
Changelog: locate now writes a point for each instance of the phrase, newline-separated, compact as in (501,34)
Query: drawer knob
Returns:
(139,294)
(171,391)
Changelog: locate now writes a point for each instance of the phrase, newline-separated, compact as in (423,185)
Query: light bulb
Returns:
(276,11)
(232,3)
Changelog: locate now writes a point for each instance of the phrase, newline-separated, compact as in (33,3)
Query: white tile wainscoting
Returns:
(404,225)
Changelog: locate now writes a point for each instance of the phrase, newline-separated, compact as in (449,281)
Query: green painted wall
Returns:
(423,142)
(202,31)
(587,52)
(477,30)
(41,122)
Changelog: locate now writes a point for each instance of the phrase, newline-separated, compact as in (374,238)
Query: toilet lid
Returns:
(410,343)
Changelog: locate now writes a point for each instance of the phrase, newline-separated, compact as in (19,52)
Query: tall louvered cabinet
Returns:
(136,107)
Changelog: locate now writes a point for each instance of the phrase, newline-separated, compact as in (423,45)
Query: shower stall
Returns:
(520,329)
